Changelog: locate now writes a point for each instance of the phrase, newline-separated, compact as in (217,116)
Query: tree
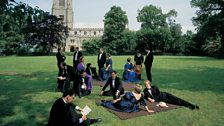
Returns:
(115,22)
(154,30)
(209,19)
(91,45)
(45,34)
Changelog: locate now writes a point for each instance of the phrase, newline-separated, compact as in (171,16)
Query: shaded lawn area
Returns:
(28,91)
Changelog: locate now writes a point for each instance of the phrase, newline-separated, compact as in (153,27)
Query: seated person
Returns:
(81,65)
(153,94)
(63,112)
(129,102)
(116,88)
(129,74)
(84,84)
(65,76)
(91,70)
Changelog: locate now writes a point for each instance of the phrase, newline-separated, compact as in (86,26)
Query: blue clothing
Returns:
(129,76)
(108,62)
(128,103)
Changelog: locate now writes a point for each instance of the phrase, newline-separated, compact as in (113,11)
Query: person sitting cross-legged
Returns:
(116,88)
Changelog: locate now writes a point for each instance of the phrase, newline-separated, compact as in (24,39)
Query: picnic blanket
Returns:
(142,112)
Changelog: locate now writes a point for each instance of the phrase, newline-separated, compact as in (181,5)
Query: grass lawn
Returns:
(27,91)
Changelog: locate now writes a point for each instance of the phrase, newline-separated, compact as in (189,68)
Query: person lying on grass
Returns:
(153,94)
(129,102)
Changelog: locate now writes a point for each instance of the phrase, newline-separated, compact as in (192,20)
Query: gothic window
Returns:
(85,33)
(94,33)
(76,33)
(62,17)
(72,40)
(62,3)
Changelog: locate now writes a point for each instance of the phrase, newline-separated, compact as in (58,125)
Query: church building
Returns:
(78,32)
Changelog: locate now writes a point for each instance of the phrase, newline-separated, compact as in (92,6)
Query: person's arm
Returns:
(148,110)
(119,89)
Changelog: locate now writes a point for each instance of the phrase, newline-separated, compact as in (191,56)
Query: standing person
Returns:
(108,65)
(63,112)
(101,59)
(76,57)
(139,58)
(60,58)
(84,83)
(116,87)
(153,94)
(148,63)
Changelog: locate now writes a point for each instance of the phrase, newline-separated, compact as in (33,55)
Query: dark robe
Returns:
(165,97)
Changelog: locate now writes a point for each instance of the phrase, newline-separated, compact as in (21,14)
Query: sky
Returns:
(93,11)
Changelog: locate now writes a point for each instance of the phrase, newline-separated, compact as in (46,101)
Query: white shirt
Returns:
(150,92)
(76,56)
(100,55)
(113,83)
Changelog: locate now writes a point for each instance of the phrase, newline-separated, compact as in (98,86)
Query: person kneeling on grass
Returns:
(63,112)
(153,94)
(128,103)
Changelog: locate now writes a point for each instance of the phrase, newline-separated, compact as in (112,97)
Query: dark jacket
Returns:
(102,61)
(149,60)
(118,85)
(63,114)
(156,94)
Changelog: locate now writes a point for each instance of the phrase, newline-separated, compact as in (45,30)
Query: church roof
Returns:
(89,25)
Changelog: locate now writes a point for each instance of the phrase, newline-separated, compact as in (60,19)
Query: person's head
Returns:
(108,55)
(77,49)
(63,65)
(59,49)
(147,84)
(69,95)
(88,65)
(83,73)
(147,49)
(81,59)
(129,59)
(138,88)
(101,50)
(113,74)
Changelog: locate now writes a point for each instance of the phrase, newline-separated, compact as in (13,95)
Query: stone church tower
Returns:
(63,9)
(78,32)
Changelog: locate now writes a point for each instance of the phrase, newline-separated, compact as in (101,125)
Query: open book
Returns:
(86,110)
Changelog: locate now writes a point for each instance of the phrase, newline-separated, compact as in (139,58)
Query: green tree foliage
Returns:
(24,27)
(115,22)
(155,31)
(92,45)
(209,19)
(45,34)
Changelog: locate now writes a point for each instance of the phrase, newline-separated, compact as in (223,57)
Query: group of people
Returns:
(63,112)
(130,100)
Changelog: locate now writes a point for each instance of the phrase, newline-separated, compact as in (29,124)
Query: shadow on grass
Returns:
(26,99)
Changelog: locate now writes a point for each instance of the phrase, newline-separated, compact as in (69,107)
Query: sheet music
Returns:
(86,110)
